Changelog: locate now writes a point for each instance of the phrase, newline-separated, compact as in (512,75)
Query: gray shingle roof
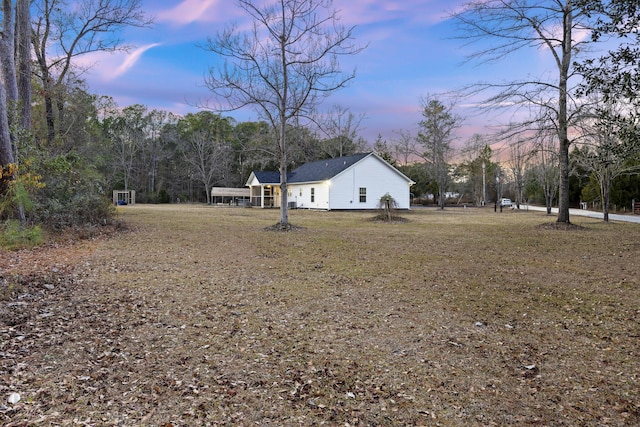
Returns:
(267,177)
(322,170)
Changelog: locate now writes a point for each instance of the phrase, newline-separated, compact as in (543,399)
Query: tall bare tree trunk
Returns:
(8,95)
(6,153)
(284,208)
(605,193)
(8,86)
(23,53)
(564,142)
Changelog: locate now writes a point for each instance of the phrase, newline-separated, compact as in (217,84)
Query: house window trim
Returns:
(313,195)
(362,192)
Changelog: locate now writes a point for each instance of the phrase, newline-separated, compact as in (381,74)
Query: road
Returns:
(588,213)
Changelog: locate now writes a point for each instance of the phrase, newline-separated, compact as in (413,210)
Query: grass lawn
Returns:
(201,316)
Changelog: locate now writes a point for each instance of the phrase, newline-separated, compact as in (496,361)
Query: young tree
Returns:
(519,153)
(476,166)
(381,148)
(436,135)
(546,170)
(552,26)
(405,147)
(283,67)
(387,205)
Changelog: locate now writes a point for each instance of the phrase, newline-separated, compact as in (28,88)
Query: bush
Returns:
(16,186)
(15,236)
(163,196)
(386,207)
(73,196)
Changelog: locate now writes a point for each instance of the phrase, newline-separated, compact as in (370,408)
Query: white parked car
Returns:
(506,202)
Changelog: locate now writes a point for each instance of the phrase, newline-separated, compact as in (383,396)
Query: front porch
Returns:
(265,196)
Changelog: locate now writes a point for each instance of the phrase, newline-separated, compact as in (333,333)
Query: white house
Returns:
(351,182)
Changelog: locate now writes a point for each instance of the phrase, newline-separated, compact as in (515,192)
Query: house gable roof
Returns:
(323,170)
(267,177)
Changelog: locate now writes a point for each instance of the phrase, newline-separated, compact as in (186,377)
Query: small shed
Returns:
(124,197)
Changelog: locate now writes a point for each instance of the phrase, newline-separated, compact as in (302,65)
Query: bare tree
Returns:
(283,67)
(405,146)
(207,155)
(256,143)
(519,152)
(341,127)
(436,135)
(545,166)
(126,130)
(63,31)
(553,26)
(153,147)
(303,145)
(205,143)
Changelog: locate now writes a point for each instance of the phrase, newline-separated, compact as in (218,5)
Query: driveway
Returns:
(584,212)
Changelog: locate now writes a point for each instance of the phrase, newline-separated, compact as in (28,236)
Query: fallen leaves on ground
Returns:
(202,317)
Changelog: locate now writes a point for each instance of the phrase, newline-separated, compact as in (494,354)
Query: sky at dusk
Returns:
(411,53)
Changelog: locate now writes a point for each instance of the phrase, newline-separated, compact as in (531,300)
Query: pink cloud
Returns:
(131,59)
(108,66)
(375,11)
(189,11)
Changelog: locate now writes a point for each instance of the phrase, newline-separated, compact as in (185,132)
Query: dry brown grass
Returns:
(200,316)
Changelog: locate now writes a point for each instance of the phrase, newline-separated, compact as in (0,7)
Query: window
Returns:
(313,195)
(363,195)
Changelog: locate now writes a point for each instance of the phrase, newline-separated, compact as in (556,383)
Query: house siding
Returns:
(301,195)
(377,177)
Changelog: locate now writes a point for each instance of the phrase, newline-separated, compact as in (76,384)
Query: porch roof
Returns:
(267,177)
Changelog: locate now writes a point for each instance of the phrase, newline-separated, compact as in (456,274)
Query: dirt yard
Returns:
(200,316)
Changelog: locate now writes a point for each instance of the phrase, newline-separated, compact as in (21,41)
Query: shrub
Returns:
(387,206)
(15,236)
(16,186)
(73,197)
